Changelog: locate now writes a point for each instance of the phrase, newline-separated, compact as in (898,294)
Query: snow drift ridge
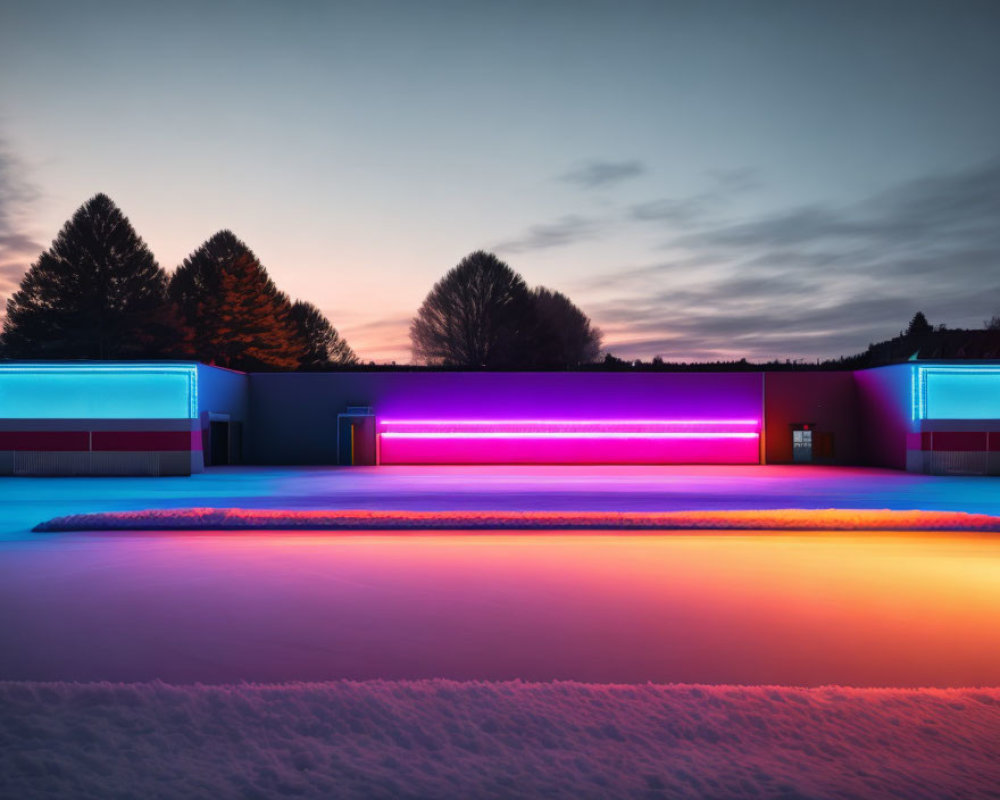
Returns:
(831,519)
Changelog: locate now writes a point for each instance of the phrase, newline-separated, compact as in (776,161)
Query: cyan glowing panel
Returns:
(98,391)
(943,392)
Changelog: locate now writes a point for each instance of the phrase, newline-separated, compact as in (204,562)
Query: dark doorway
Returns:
(218,437)
(235,442)
(356,444)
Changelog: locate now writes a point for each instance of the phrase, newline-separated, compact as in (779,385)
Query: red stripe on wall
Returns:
(100,441)
(44,440)
(994,442)
(960,441)
(142,441)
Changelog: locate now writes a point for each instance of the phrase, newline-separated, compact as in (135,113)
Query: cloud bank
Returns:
(567,230)
(17,247)
(812,281)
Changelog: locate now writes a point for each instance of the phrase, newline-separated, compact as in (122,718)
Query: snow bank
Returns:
(346,519)
(446,739)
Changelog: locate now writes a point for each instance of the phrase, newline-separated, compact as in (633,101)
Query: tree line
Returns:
(98,293)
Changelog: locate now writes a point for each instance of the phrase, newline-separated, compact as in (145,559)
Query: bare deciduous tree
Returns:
(481,314)
(566,336)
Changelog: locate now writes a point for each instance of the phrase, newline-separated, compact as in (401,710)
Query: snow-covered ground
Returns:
(27,501)
(789,608)
(439,739)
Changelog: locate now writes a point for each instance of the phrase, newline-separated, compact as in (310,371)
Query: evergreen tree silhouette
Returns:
(245,323)
(198,279)
(96,293)
(918,325)
(324,347)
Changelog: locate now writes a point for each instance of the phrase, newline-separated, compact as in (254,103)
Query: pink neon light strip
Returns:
(567,422)
(567,435)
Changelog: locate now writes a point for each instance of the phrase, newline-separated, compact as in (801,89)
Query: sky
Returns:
(760,179)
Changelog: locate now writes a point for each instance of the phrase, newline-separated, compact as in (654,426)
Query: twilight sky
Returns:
(705,179)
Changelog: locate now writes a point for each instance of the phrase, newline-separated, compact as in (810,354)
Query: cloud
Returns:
(814,281)
(736,180)
(17,247)
(697,208)
(679,211)
(922,224)
(569,229)
(385,339)
(601,174)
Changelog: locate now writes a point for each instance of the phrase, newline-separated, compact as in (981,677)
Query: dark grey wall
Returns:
(293,416)
(828,400)
(223,391)
(885,399)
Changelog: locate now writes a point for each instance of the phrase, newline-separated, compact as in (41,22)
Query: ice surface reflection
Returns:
(802,609)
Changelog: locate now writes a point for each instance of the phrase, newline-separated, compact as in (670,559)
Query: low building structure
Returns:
(175,418)
(118,418)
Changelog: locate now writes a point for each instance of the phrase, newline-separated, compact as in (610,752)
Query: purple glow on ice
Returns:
(783,608)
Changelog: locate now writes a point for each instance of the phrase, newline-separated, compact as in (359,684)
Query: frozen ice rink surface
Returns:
(798,609)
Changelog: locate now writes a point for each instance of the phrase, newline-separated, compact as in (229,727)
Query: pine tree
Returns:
(919,326)
(97,293)
(198,279)
(245,324)
(239,318)
(324,347)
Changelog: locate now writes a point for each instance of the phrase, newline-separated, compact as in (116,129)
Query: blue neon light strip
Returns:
(943,392)
(98,391)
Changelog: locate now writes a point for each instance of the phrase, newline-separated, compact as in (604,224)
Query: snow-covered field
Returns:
(402,611)
(441,739)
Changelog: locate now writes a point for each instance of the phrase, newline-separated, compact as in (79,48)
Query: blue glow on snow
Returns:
(957,392)
(98,391)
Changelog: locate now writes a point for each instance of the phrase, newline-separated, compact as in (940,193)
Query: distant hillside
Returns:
(938,344)
(942,345)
